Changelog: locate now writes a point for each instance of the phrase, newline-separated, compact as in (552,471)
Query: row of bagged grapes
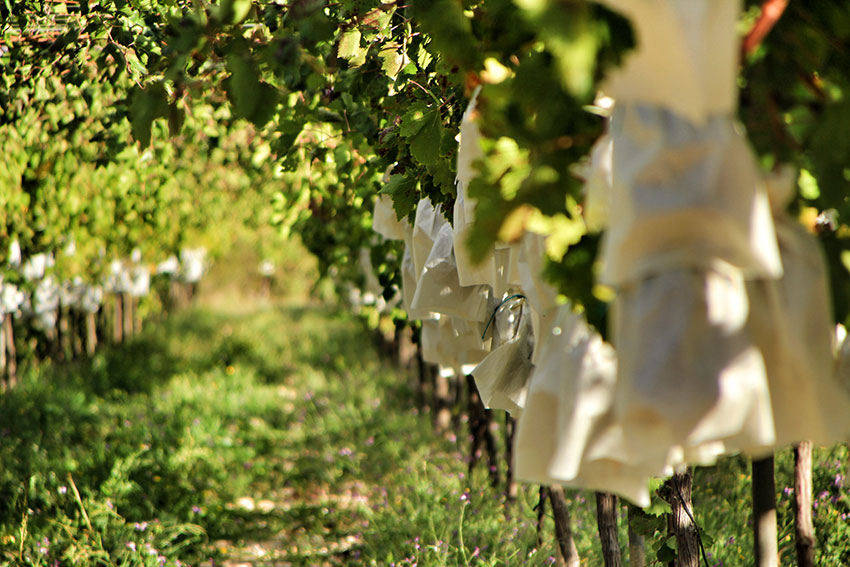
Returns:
(66,317)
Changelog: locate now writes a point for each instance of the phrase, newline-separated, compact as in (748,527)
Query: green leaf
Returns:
(243,85)
(665,553)
(146,106)
(707,540)
(253,99)
(392,59)
(646,524)
(402,189)
(240,10)
(413,120)
(176,118)
(349,48)
(450,30)
(425,144)
(379,19)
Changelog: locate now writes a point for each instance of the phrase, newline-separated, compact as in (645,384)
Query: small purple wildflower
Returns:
(131,545)
(63,490)
(44,546)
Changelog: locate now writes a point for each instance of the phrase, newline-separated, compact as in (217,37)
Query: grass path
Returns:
(258,435)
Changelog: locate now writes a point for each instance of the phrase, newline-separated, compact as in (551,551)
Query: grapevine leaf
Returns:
(392,59)
(243,85)
(147,105)
(450,30)
(379,18)
(349,48)
(253,99)
(240,8)
(413,120)
(425,144)
(402,189)
(176,118)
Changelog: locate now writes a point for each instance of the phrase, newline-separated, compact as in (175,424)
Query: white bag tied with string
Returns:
(686,58)
(542,297)
(450,345)
(564,433)
(385,222)
(496,270)
(791,320)
(408,285)
(690,371)
(470,347)
(684,196)
(91,298)
(193,264)
(439,290)
(689,228)
(502,376)
(11,298)
(427,224)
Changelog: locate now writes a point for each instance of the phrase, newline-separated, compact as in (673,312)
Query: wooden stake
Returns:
(677,492)
(77,330)
(3,381)
(764,514)
(91,333)
(541,513)
(803,523)
(12,359)
(117,320)
(442,402)
(606,520)
(63,324)
(511,486)
(637,547)
(563,527)
(128,307)
(480,420)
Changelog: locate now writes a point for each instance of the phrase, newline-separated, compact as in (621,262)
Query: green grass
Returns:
(212,432)
(272,433)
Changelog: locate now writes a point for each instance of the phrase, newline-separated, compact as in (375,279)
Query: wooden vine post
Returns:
(480,427)
(803,524)
(511,485)
(3,380)
(91,333)
(563,527)
(11,364)
(637,547)
(766,550)
(117,319)
(128,309)
(606,520)
(543,495)
(677,492)
(442,400)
